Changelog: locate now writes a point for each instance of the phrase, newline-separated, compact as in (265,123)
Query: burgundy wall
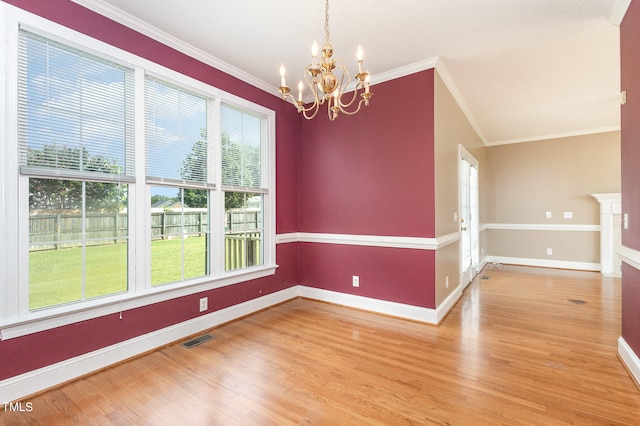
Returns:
(630,147)
(30,352)
(393,274)
(369,174)
(372,174)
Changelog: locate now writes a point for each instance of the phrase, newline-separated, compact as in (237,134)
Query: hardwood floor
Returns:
(522,346)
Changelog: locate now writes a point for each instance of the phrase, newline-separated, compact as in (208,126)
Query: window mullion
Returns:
(139,226)
(216,199)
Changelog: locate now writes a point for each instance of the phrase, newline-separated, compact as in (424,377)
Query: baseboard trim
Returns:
(629,359)
(35,381)
(395,309)
(558,264)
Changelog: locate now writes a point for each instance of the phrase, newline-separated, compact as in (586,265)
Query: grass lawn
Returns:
(55,276)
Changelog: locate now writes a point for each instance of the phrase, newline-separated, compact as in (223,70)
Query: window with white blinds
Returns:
(176,132)
(243,150)
(76,112)
(124,175)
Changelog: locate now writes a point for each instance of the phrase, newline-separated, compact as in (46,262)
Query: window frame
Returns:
(15,318)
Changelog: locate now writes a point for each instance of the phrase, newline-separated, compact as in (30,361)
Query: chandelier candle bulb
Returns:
(300,87)
(282,71)
(359,55)
(314,54)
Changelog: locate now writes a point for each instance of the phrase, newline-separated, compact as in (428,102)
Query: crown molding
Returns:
(619,10)
(148,30)
(557,135)
(457,95)
(404,71)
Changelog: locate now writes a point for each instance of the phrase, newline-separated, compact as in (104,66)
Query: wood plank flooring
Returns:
(522,346)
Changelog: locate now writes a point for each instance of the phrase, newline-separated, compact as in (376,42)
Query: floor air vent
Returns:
(197,341)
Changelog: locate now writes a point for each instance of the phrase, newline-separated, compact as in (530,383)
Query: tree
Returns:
(241,165)
(158,198)
(194,168)
(45,193)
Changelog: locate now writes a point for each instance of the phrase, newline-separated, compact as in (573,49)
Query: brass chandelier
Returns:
(326,85)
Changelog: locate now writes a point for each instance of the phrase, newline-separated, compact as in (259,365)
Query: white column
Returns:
(610,205)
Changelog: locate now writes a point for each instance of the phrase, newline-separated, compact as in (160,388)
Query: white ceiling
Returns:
(521,69)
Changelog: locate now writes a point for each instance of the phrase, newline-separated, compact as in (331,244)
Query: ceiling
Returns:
(520,69)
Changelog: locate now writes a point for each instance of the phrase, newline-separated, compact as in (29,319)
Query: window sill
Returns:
(64,315)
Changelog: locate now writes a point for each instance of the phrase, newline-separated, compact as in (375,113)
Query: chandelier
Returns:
(328,82)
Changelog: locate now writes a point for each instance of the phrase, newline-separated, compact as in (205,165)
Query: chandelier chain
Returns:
(327,36)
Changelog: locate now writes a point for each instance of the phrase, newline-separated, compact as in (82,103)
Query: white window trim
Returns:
(16,320)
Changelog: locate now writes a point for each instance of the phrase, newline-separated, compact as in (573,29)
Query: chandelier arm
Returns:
(356,92)
(355,110)
(343,85)
(315,107)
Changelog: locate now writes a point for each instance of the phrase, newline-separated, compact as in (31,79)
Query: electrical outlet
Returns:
(356,281)
(204,304)
(548,215)
(549,252)
(568,215)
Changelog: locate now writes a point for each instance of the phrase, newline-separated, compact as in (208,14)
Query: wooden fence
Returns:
(243,244)
(55,231)
(242,250)
(169,224)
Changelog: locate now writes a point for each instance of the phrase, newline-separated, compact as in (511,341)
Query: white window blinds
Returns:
(75,112)
(244,163)
(176,132)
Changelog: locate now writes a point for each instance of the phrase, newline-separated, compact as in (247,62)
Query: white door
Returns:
(469,217)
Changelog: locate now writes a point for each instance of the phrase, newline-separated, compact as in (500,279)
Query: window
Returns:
(76,149)
(123,182)
(243,180)
(178,153)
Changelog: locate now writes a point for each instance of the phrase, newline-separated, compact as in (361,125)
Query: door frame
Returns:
(473,225)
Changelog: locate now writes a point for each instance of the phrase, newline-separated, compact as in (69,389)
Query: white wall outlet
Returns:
(356,281)
(625,221)
(568,215)
(204,304)
(549,252)
(548,214)
(446,280)
(455,217)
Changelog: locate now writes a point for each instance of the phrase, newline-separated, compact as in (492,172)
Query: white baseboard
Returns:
(544,263)
(32,382)
(26,384)
(400,310)
(629,359)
